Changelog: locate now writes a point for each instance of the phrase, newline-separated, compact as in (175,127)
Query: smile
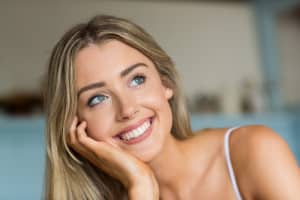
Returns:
(138,133)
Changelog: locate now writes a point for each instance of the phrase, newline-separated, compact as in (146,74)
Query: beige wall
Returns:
(213,44)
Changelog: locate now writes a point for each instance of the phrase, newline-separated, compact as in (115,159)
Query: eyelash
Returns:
(139,76)
(89,103)
(93,98)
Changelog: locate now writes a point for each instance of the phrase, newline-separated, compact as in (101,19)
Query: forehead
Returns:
(105,61)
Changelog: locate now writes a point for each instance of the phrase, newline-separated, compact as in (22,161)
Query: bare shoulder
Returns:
(264,163)
(260,143)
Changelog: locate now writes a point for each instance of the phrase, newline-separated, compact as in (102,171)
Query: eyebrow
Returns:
(102,84)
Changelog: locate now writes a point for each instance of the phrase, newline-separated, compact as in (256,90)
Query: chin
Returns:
(149,155)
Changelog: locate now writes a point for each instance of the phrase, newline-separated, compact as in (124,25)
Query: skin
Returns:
(161,166)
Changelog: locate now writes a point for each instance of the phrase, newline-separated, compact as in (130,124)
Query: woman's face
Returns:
(122,98)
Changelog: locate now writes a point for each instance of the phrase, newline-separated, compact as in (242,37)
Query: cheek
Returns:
(98,125)
(154,95)
(158,103)
(155,99)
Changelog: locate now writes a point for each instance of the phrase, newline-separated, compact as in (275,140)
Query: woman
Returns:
(117,128)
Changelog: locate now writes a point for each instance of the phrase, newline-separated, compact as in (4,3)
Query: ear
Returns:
(168,93)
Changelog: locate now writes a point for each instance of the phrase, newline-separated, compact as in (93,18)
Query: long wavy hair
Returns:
(68,175)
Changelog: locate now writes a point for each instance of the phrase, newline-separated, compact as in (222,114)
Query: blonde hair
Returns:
(68,175)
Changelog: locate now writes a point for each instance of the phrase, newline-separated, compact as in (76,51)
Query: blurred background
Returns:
(238,59)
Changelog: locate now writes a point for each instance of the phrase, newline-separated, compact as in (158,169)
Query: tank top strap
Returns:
(229,164)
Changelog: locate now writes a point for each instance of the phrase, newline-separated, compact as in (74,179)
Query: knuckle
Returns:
(70,139)
(80,137)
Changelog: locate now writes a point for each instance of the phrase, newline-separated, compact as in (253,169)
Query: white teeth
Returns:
(136,132)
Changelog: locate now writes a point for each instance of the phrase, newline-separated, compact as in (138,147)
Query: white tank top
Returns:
(229,164)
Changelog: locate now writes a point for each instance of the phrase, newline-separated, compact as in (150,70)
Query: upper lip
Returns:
(134,126)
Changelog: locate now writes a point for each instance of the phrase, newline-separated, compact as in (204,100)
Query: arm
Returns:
(147,190)
(135,175)
(270,169)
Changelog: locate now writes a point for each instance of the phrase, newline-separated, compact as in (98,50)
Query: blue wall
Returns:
(266,12)
(22,158)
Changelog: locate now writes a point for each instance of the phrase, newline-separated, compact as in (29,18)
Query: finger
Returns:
(74,124)
(71,137)
(84,139)
(74,143)
(88,147)
(103,150)
(104,155)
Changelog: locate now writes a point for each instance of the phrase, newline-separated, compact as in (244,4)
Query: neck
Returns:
(170,166)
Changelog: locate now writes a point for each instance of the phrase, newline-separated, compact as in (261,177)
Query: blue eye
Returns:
(137,80)
(96,100)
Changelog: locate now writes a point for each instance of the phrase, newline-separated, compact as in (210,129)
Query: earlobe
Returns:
(169,93)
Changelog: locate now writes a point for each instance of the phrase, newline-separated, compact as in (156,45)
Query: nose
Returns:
(127,107)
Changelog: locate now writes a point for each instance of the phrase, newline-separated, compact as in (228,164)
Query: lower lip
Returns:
(142,137)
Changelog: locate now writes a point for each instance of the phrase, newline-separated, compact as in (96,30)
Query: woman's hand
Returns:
(134,174)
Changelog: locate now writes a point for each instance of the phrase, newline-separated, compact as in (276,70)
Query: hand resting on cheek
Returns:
(134,174)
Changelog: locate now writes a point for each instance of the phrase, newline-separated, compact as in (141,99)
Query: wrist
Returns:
(146,189)
(143,191)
